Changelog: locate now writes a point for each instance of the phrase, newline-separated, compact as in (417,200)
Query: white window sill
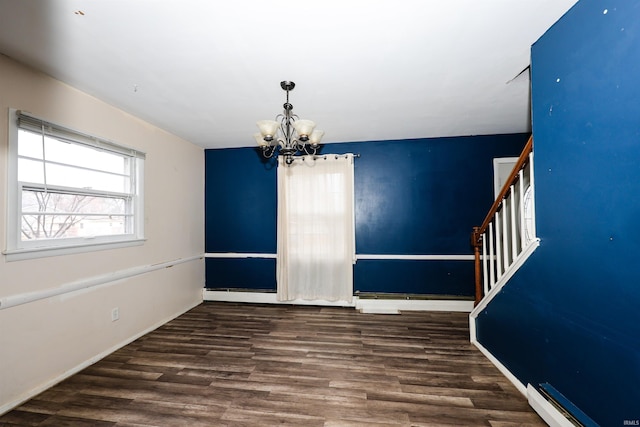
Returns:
(32,253)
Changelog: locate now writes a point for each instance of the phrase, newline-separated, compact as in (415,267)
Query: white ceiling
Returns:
(364,69)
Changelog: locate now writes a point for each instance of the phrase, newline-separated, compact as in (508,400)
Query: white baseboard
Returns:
(266,298)
(546,410)
(391,306)
(515,381)
(378,306)
(47,385)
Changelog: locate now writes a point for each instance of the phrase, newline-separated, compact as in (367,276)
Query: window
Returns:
(68,191)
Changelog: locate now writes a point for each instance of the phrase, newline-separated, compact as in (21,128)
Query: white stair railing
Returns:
(508,231)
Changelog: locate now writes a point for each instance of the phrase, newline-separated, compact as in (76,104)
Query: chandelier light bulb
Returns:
(268,128)
(304,128)
(316,137)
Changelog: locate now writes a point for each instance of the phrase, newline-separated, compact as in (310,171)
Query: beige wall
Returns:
(44,340)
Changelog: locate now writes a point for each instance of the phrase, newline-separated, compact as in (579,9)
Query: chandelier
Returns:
(288,135)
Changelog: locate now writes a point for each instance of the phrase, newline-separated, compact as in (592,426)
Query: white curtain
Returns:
(316,231)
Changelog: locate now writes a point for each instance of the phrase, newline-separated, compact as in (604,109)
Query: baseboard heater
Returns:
(406,296)
(370,303)
(365,295)
(265,291)
(570,415)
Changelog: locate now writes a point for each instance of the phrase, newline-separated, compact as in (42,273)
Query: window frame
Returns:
(17,249)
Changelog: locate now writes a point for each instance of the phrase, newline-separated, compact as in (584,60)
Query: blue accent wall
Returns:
(413,197)
(424,196)
(571,316)
(414,277)
(240,201)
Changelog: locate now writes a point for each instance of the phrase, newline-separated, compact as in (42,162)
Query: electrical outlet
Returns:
(115,314)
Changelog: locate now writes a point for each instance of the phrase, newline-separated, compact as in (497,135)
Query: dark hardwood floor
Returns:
(224,364)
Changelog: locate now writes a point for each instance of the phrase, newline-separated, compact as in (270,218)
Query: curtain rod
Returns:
(315,156)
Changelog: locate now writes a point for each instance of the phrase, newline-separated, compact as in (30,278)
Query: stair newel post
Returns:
(475,242)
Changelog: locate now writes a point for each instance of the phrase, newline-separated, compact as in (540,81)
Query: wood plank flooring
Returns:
(226,364)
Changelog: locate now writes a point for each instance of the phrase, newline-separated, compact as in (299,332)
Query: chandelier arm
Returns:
(268,151)
(306,148)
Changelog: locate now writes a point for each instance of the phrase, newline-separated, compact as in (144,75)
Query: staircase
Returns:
(507,236)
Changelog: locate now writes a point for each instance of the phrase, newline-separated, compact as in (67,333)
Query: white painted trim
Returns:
(521,388)
(89,282)
(32,253)
(379,310)
(387,306)
(34,392)
(13,208)
(391,306)
(515,266)
(265,298)
(498,179)
(473,337)
(546,410)
(419,257)
(358,256)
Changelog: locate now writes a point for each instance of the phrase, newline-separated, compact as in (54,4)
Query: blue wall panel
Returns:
(240,202)
(424,196)
(242,273)
(570,317)
(413,197)
(414,277)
